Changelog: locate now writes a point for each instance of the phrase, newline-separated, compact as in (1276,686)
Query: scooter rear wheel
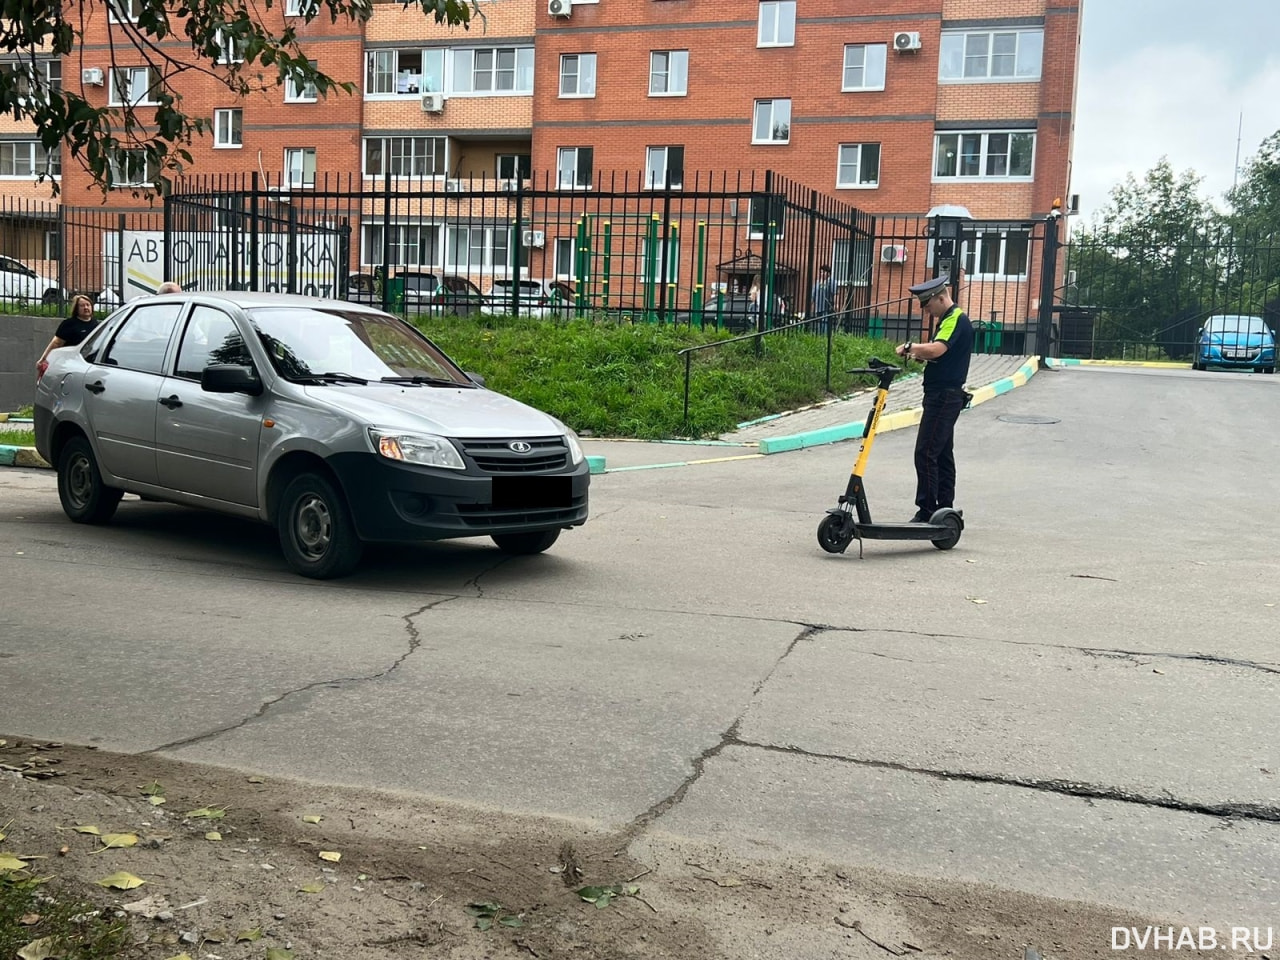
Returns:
(954,528)
(835,532)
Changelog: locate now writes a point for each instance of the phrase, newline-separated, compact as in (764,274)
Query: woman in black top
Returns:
(72,331)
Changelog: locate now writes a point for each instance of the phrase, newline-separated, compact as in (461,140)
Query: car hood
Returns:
(1229,338)
(460,412)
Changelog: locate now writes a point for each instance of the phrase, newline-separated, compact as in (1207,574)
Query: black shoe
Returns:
(920,518)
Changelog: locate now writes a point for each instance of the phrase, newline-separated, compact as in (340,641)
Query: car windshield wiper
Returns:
(432,381)
(332,377)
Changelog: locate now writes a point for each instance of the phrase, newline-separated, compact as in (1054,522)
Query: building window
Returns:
(984,156)
(230,49)
(227,128)
(662,163)
(663,261)
(668,73)
(514,166)
(493,70)
(26,81)
(121,11)
(858,166)
(301,8)
(777,24)
(478,249)
(864,66)
(765,214)
(578,75)
(408,245)
(772,123)
(300,166)
(297,91)
(991,55)
(851,263)
(134,86)
(53,244)
(27,159)
(573,166)
(404,156)
(567,261)
(129,168)
(392,73)
(998,255)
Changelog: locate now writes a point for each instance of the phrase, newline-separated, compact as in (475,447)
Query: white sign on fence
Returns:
(217,260)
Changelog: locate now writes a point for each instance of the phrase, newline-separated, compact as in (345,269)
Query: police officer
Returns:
(946,359)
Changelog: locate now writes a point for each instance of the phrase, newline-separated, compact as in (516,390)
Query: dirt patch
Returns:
(409,868)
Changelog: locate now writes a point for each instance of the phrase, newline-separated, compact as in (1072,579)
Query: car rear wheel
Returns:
(316,533)
(85,498)
(526,543)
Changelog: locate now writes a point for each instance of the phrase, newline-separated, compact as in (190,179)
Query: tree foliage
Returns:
(162,129)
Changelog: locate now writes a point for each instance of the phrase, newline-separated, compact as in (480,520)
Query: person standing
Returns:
(72,331)
(823,301)
(946,358)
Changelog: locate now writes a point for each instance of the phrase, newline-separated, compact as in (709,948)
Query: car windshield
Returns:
(310,342)
(1235,325)
(526,287)
(420,282)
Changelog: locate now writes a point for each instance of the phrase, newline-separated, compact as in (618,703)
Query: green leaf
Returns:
(116,840)
(155,801)
(312,818)
(279,953)
(8,862)
(152,789)
(207,813)
(313,887)
(510,921)
(41,949)
(121,881)
(484,923)
(592,894)
(249,936)
(90,830)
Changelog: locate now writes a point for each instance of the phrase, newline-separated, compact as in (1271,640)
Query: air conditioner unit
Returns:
(509,186)
(906,40)
(893,253)
(92,76)
(533,238)
(560,8)
(432,102)
(453,186)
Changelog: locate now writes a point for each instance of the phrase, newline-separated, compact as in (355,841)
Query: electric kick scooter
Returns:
(852,518)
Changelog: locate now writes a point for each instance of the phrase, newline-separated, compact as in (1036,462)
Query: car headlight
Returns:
(576,456)
(420,448)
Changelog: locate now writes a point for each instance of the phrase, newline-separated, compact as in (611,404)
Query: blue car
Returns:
(1235,340)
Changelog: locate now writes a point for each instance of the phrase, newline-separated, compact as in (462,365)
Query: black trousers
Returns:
(935,455)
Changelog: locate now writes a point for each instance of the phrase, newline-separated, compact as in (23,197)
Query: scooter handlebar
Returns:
(877,367)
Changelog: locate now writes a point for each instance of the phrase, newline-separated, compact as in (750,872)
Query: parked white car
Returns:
(535,298)
(19,283)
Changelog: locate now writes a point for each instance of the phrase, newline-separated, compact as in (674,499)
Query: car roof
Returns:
(247,299)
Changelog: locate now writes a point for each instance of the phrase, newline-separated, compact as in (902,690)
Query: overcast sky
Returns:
(1171,78)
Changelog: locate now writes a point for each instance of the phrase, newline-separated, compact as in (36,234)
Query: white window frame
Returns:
(775,18)
(954,47)
(981,239)
(371,247)
(34,150)
(518,170)
(670,248)
(123,183)
(302,153)
(224,126)
(458,57)
(486,250)
(669,73)
(300,8)
(294,94)
(846,261)
(230,49)
(873,55)
(441,153)
(371,56)
(131,10)
(773,125)
(562,153)
(757,233)
(583,75)
(655,176)
(564,264)
(115,98)
(861,150)
(983,156)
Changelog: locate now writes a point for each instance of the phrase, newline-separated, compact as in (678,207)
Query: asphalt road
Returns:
(1079,701)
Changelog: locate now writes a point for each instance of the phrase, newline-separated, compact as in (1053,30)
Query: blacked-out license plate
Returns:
(515,493)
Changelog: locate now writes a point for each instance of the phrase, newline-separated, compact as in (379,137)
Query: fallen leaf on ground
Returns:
(312,818)
(181,956)
(975,600)
(115,840)
(213,835)
(9,862)
(152,789)
(333,856)
(256,780)
(207,813)
(91,830)
(248,936)
(316,887)
(41,949)
(121,881)
(279,953)
(155,801)
(148,906)
(29,919)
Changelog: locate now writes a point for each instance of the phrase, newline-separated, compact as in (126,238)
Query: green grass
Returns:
(78,933)
(17,438)
(620,380)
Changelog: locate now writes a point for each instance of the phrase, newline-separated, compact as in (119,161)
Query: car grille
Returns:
(496,456)
(480,515)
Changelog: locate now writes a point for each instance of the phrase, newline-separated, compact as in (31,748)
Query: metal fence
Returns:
(1145,297)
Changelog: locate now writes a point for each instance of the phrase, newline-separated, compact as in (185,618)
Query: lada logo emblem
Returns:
(519,446)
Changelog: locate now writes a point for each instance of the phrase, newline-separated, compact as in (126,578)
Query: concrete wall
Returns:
(22,340)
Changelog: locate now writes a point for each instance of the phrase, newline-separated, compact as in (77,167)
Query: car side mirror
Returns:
(476,379)
(230,378)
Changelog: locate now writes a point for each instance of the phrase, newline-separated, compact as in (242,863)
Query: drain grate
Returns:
(1015,418)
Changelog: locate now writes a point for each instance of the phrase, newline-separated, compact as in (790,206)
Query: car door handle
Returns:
(171,402)
(95,387)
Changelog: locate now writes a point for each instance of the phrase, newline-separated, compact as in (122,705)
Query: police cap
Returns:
(926,291)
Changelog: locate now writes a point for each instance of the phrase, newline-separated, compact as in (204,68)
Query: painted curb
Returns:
(1154,364)
(22,457)
(595,464)
(898,420)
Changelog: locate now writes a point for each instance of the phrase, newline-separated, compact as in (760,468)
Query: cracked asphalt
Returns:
(1079,701)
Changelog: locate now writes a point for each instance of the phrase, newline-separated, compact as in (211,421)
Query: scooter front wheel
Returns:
(835,532)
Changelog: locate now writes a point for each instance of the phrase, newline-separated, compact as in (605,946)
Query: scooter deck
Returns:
(902,531)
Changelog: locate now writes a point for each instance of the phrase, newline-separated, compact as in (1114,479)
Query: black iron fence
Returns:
(1140,296)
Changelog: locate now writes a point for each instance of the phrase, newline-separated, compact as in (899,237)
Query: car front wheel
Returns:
(316,533)
(85,498)
(526,543)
